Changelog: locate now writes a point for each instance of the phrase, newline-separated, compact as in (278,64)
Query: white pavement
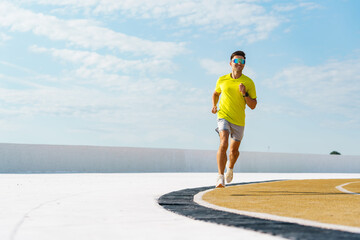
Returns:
(112,206)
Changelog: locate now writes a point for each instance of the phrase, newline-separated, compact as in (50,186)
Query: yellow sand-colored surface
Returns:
(316,200)
(353,187)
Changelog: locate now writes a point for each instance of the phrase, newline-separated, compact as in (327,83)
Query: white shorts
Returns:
(236,132)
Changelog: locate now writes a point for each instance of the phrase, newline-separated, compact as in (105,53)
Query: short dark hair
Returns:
(237,53)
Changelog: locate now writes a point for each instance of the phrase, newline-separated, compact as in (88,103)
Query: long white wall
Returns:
(28,158)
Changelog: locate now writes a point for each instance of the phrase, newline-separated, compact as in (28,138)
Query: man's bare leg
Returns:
(221,154)
(233,156)
(234,153)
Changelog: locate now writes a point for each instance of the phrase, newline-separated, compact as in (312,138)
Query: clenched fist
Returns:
(214,110)
(242,89)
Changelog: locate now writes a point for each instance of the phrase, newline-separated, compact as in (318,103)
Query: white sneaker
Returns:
(220,182)
(229,175)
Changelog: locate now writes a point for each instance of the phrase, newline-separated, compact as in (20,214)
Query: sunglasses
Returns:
(239,60)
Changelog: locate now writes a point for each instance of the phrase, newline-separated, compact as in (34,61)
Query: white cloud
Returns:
(110,63)
(20,68)
(146,113)
(82,33)
(278,109)
(285,8)
(4,37)
(103,88)
(215,67)
(242,18)
(332,87)
(292,6)
(94,89)
(104,98)
(220,68)
(89,102)
(310,5)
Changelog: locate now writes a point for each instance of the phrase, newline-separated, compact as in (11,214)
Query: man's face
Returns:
(236,64)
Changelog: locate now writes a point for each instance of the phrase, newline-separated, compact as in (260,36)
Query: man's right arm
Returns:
(215,99)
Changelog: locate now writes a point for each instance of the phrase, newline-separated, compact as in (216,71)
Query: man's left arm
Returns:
(251,102)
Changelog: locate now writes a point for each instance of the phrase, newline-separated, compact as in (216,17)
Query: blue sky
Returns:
(142,73)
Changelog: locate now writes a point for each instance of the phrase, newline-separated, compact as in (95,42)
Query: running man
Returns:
(237,91)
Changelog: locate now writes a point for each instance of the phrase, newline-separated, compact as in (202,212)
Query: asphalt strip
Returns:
(182,202)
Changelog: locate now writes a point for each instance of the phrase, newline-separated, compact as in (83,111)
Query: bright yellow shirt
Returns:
(232,103)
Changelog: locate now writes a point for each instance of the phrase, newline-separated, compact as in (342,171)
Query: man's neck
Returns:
(236,74)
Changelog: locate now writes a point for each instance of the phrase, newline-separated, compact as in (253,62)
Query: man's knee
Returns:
(234,152)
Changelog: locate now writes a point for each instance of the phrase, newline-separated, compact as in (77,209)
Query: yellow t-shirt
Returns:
(232,103)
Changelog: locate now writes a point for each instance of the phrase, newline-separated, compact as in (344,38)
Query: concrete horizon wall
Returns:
(33,158)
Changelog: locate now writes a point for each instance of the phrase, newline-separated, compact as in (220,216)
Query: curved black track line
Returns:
(182,202)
